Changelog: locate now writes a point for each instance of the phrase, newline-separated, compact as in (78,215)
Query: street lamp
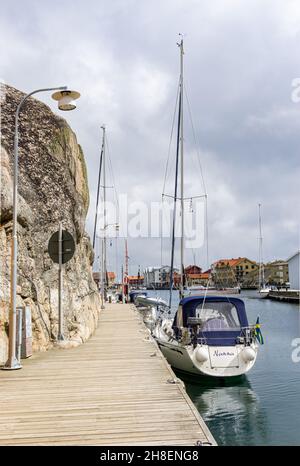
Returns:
(65,102)
(103,262)
(66,99)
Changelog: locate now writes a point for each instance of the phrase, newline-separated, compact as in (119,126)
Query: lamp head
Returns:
(66,99)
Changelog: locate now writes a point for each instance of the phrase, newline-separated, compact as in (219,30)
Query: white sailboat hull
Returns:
(214,361)
(263,293)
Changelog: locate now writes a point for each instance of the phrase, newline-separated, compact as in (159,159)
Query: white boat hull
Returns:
(263,293)
(214,361)
(212,292)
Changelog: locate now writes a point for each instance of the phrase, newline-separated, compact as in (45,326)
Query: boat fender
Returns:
(248,354)
(201,354)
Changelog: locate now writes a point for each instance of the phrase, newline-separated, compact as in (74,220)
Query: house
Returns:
(111,277)
(276,272)
(135,280)
(159,277)
(198,279)
(192,269)
(293,267)
(152,277)
(194,276)
(230,272)
(97,279)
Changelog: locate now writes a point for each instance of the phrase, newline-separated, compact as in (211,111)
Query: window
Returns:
(218,316)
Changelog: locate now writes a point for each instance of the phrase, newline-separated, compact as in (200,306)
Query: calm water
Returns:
(262,408)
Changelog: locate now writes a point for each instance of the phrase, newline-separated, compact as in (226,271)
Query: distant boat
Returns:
(208,291)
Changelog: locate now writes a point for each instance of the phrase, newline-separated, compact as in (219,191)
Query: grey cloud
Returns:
(241,58)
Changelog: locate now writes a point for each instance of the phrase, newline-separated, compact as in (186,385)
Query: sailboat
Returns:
(106,293)
(263,290)
(209,335)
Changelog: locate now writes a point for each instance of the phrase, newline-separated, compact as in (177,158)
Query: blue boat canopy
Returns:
(219,319)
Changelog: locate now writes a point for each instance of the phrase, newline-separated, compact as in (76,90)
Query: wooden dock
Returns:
(288,296)
(113,390)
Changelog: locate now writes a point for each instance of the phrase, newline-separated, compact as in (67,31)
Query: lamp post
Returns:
(103,262)
(65,100)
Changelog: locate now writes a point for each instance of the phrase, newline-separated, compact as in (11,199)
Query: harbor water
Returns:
(261,408)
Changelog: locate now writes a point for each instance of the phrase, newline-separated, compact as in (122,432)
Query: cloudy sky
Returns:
(241,57)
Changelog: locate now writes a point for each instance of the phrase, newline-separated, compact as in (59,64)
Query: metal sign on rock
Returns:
(68,247)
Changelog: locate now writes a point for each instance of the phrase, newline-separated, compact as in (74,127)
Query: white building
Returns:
(157,277)
(152,277)
(293,263)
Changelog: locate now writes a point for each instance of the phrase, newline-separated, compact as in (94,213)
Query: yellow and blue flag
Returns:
(258,334)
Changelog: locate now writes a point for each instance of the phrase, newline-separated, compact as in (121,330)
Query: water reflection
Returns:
(232,407)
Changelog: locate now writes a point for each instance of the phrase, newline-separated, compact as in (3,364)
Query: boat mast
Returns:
(97,199)
(261,277)
(181,172)
(175,195)
(126,283)
(104,211)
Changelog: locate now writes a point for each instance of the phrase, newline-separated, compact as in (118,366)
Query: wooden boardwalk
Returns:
(113,390)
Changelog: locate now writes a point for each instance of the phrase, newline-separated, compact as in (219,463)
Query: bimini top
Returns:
(219,319)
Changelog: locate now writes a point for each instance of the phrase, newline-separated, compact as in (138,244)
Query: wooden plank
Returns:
(113,390)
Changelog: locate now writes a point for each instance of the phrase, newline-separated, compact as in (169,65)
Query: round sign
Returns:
(68,247)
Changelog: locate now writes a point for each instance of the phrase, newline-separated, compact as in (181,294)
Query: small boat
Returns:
(208,336)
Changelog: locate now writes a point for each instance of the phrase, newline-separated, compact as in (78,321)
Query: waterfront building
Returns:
(135,280)
(152,277)
(192,269)
(230,272)
(201,279)
(159,277)
(111,278)
(276,272)
(293,267)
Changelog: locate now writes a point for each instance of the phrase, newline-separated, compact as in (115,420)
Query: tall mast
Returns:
(97,199)
(104,208)
(179,145)
(126,258)
(126,284)
(181,172)
(261,278)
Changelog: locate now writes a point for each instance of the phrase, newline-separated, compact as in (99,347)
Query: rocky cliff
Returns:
(52,188)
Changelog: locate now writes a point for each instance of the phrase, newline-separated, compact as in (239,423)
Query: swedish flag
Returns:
(258,334)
